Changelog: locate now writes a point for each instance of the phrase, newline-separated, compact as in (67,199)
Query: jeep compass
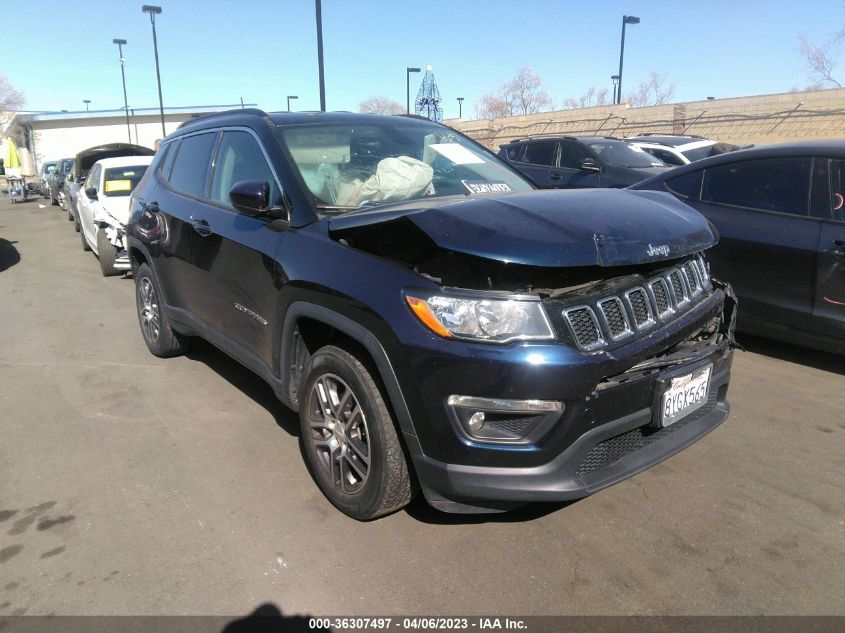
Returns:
(439,325)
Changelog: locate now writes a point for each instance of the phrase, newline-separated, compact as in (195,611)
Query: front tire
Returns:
(161,339)
(106,253)
(349,439)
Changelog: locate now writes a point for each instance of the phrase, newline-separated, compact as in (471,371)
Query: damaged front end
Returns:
(113,234)
(576,375)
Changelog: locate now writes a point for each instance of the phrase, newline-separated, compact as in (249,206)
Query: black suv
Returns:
(438,324)
(567,162)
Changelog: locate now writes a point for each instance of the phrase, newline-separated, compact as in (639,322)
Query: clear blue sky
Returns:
(217,51)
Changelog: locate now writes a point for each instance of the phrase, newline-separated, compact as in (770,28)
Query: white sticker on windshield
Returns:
(458,154)
(482,186)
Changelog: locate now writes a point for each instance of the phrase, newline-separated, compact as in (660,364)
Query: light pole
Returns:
(86,102)
(615,80)
(320,55)
(460,107)
(626,19)
(408,72)
(289,98)
(120,44)
(154,11)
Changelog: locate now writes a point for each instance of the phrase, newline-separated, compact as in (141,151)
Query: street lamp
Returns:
(626,19)
(120,44)
(460,106)
(615,80)
(408,72)
(320,55)
(289,98)
(86,102)
(154,11)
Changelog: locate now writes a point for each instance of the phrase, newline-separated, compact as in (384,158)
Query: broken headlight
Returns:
(482,319)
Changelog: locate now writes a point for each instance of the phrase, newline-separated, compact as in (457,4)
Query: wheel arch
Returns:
(308,326)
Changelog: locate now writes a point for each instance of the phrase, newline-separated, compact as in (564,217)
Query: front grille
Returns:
(614,316)
(678,287)
(640,307)
(612,450)
(585,328)
(661,296)
(692,277)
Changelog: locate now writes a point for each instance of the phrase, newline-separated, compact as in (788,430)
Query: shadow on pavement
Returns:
(246,381)
(420,510)
(793,353)
(268,618)
(9,255)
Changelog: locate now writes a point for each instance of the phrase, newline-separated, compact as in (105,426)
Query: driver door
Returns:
(570,173)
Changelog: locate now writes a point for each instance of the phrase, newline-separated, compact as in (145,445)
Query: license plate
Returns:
(685,394)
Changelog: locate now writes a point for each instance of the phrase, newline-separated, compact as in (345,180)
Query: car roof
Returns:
(832,148)
(124,161)
(583,139)
(672,140)
(284,119)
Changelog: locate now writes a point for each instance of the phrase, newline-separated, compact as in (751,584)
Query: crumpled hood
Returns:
(585,227)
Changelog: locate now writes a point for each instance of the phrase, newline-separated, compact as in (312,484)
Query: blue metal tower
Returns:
(428,99)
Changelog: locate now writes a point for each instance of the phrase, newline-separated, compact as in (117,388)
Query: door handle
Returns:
(555,177)
(201,227)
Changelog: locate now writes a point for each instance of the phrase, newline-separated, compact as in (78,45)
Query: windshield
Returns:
(120,181)
(66,166)
(353,166)
(49,168)
(621,154)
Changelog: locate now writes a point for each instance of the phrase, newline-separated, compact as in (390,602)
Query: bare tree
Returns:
(381,105)
(655,91)
(593,97)
(524,94)
(819,62)
(10,100)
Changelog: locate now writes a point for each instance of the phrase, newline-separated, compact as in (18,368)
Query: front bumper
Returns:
(605,434)
(606,454)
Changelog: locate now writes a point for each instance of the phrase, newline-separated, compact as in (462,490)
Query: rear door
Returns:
(829,207)
(183,175)
(536,161)
(234,253)
(768,241)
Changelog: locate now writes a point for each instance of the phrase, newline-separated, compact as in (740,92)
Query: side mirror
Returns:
(589,164)
(251,197)
(91,192)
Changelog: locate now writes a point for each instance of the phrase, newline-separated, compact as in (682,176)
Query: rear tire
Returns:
(349,439)
(161,339)
(106,253)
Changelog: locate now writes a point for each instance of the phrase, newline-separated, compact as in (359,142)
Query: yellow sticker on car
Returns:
(118,185)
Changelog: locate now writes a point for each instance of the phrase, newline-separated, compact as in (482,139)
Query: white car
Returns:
(677,149)
(103,208)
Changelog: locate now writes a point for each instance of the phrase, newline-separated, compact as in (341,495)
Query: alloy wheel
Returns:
(339,433)
(150,315)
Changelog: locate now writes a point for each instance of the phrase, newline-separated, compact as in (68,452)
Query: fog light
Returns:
(476,421)
(499,421)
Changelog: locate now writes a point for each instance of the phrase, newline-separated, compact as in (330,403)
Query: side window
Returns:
(572,155)
(191,164)
(771,184)
(167,160)
(667,157)
(837,190)
(540,152)
(688,185)
(239,157)
(514,151)
(93,179)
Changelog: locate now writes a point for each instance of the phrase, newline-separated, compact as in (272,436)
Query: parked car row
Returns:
(94,188)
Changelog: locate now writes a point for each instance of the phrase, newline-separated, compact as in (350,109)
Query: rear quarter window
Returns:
(688,185)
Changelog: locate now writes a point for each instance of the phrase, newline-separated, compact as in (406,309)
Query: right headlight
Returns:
(482,319)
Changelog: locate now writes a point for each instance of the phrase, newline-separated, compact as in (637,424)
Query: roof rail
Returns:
(667,134)
(212,115)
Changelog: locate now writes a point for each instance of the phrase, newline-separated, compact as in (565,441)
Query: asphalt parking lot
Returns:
(134,485)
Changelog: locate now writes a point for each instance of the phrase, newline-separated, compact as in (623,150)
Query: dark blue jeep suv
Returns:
(438,324)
